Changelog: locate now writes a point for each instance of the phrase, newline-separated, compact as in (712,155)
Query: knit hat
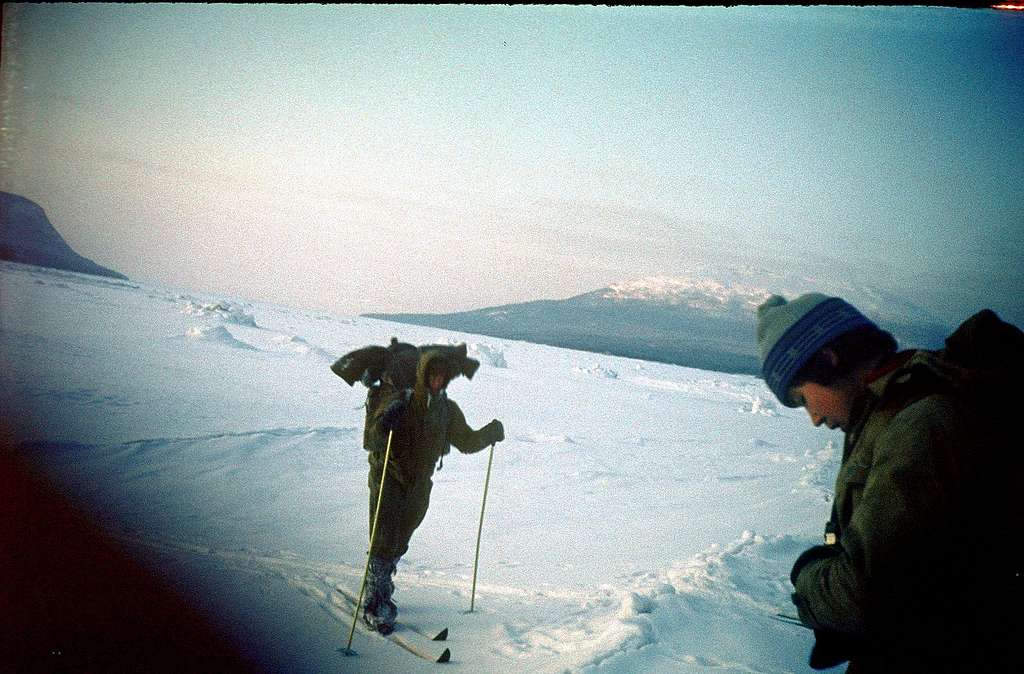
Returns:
(789,333)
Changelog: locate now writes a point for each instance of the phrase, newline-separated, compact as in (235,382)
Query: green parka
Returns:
(427,429)
(923,573)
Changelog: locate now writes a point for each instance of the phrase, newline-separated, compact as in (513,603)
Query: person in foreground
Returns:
(920,568)
(424,423)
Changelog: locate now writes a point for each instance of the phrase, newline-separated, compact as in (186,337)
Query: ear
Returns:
(830,354)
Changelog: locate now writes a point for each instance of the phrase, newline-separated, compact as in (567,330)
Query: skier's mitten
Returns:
(495,432)
(830,648)
(392,415)
(811,555)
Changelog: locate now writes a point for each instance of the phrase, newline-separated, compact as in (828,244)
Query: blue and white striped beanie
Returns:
(789,333)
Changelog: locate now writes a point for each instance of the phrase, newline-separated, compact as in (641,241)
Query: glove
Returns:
(830,648)
(495,432)
(392,415)
(811,555)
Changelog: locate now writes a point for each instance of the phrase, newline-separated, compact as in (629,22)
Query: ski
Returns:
(432,635)
(398,638)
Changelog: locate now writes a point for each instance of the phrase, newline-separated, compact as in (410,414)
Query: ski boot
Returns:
(379,611)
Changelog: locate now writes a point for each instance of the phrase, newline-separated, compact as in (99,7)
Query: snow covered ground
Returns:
(640,518)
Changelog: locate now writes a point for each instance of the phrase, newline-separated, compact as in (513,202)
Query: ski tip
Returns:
(445,656)
(442,635)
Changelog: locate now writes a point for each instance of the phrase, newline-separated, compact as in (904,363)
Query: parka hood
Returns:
(432,359)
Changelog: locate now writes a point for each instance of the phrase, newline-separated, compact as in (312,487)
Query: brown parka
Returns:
(427,429)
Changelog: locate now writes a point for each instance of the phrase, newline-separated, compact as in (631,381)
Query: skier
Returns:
(422,422)
(920,569)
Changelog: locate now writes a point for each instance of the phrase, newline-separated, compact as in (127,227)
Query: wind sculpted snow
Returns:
(641,517)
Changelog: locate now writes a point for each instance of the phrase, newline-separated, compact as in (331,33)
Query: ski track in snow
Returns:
(585,630)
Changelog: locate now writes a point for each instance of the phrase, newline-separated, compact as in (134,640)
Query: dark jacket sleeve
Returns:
(464,438)
(909,491)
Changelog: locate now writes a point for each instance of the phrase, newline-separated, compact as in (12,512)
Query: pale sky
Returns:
(445,158)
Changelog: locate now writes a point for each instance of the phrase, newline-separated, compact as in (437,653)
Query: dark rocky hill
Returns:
(28,237)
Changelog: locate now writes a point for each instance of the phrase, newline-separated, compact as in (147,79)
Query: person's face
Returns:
(436,382)
(829,405)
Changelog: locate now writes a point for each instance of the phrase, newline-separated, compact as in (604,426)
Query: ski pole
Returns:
(373,534)
(476,562)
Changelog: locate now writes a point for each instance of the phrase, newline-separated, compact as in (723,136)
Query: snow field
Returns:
(640,517)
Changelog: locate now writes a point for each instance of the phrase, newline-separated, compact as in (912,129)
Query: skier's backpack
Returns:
(986,357)
(983,364)
(985,343)
(390,371)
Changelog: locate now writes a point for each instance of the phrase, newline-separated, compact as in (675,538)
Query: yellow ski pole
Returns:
(476,562)
(373,534)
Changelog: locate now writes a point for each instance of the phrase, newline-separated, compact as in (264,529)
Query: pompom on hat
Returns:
(790,332)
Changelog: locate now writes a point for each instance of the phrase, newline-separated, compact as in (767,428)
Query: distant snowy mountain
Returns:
(705,295)
(28,237)
(696,322)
